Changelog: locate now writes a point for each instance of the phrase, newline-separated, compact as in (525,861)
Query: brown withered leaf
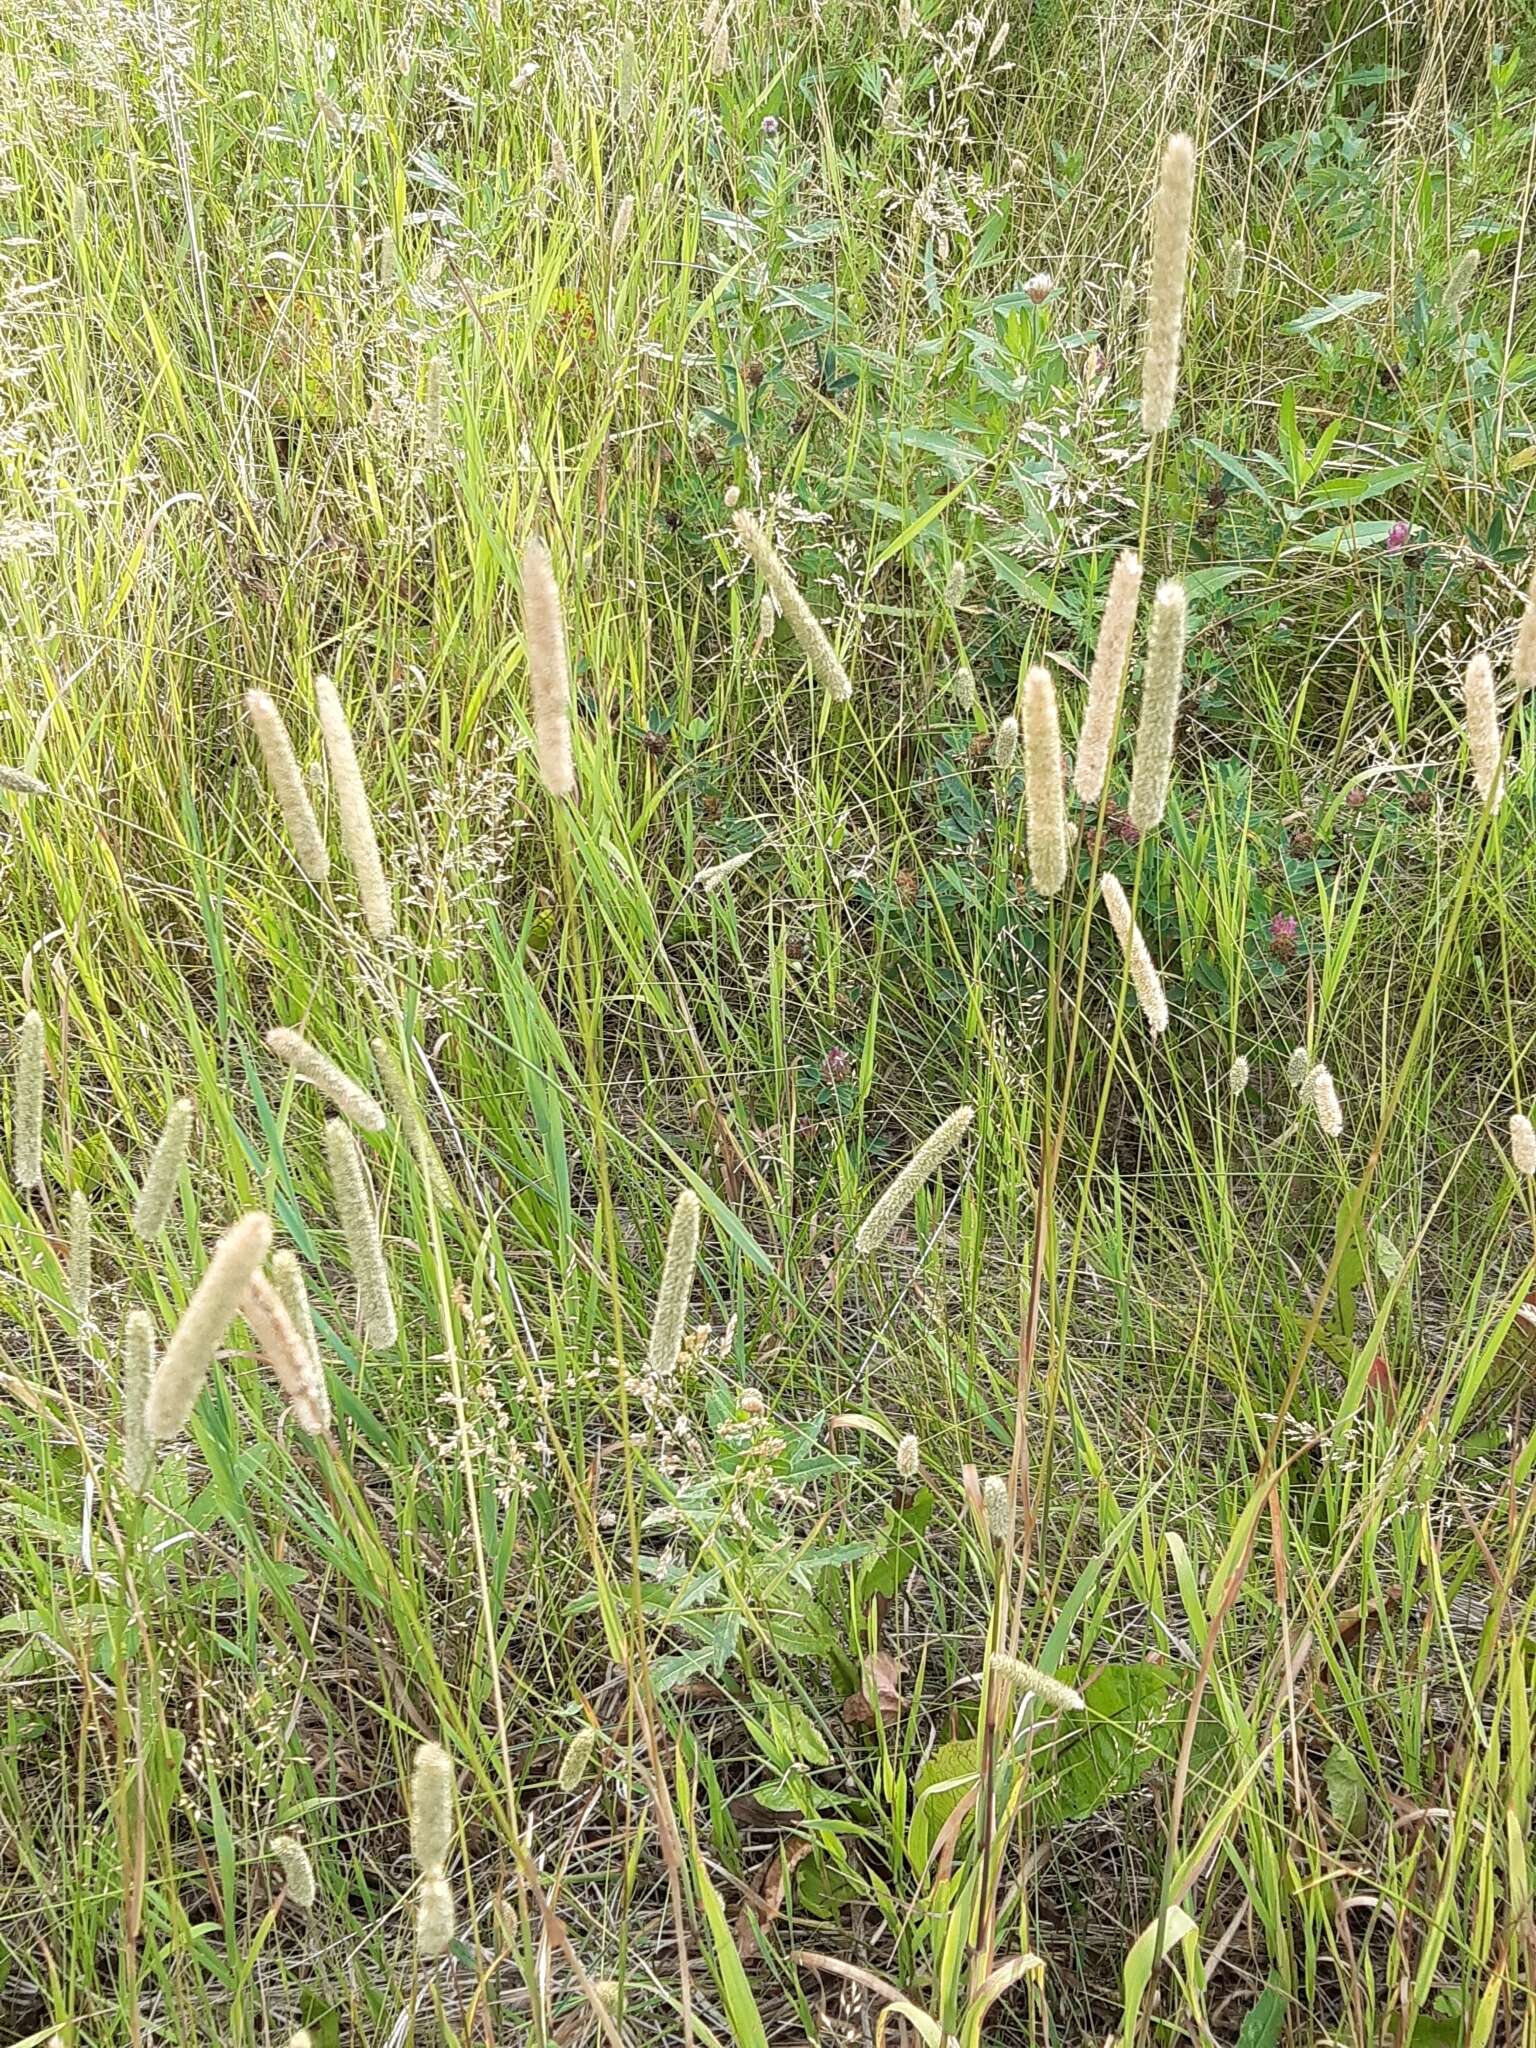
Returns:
(765,1894)
(881,1672)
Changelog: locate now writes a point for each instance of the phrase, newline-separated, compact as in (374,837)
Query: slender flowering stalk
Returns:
(434,1917)
(397,1087)
(287,782)
(1106,679)
(1045,803)
(288,1279)
(1165,284)
(1237,1075)
(671,1313)
(1483,730)
(578,1754)
(549,670)
(1144,976)
(27,1104)
(431,1808)
(162,1176)
(17,782)
(80,1254)
(360,1227)
(923,1164)
(338,1088)
(138,1371)
(1522,665)
(353,813)
(213,1307)
(1326,1107)
(1152,767)
(1522,1144)
(803,623)
(1021,1677)
(286,1354)
(298,1871)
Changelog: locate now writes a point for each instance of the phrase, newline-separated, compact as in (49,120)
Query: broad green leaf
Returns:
(1264,2021)
(1337,308)
(1154,1942)
(1349,1798)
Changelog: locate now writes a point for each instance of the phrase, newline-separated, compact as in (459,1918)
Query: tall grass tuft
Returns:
(1144,976)
(337,1086)
(353,812)
(1044,780)
(289,1358)
(287,782)
(162,1176)
(1152,766)
(887,1212)
(549,670)
(1166,282)
(27,1104)
(360,1227)
(1483,730)
(803,623)
(671,1313)
(214,1305)
(1106,679)
(138,1372)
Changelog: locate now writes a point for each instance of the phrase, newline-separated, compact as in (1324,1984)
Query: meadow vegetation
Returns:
(722,1320)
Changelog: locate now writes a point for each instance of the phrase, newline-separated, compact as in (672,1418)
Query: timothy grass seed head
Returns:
(214,1304)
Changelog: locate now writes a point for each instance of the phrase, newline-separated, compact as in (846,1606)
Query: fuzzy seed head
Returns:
(1171,217)
(434,1918)
(298,1871)
(1106,680)
(1152,766)
(1297,1068)
(431,1809)
(1522,1145)
(1324,1097)
(27,1104)
(907,1456)
(1483,744)
(623,221)
(338,1088)
(17,782)
(288,1278)
(286,778)
(922,1166)
(997,1505)
(397,1087)
(80,1254)
(162,1176)
(671,1313)
(353,812)
(813,642)
(559,162)
(964,687)
(1237,1076)
(1045,803)
(1018,1676)
(1144,976)
(138,1371)
(1005,750)
(213,1307)
(360,1227)
(954,582)
(578,1755)
(1522,665)
(549,671)
(767,617)
(288,1357)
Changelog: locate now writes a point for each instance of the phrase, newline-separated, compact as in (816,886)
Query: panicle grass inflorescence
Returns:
(549,670)
(360,1227)
(1022,1677)
(1483,745)
(27,1104)
(1044,797)
(138,1371)
(354,814)
(1144,975)
(1152,765)
(287,1355)
(1171,216)
(671,1313)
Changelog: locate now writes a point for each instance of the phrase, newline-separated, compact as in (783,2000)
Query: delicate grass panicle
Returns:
(1522,663)
(287,1356)
(1522,1144)
(27,1104)
(17,782)
(434,1917)
(287,782)
(298,1871)
(397,1087)
(1106,679)
(578,1755)
(1144,976)
(997,1506)
(803,623)
(1238,1075)
(162,1176)
(923,1164)
(288,1279)
(1005,751)
(138,1371)
(1324,1098)
(431,1808)
(353,812)
(1021,1677)
(360,1227)
(1152,766)
(80,1254)
(1044,794)
(1166,284)
(1483,745)
(338,1088)
(907,1456)
(671,1314)
(215,1303)
(549,670)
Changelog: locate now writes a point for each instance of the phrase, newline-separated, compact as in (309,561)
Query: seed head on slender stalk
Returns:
(623,221)
(360,1227)
(1152,766)
(1522,665)
(1106,680)
(1326,1107)
(578,1754)
(288,1279)
(908,1457)
(997,1505)
(298,1871)
(1522,1144)
(1144,976)
(287,782)
(1483,744)
(286,1355)
(338,1087)
(1045,802)
(80,1254)
(1237,1075)
(1005,749)
(549,670)
(671,1312)
(431,1808)
(397,1087)
(152,1210)
(434,1917)
(27,1104)
(904,1184)
(818,650)
(1166,283)
(1021,1677)
(353,812)
(138,1371)
(17,782)
(213,1307)
(1298,1067)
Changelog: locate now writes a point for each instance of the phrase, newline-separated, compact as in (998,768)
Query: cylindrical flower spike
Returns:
(287,1355)
(1522,665)
(1152,767)
(434,1917)
(671,1313)
(907,1457)
(1483,745)
(138,1371)
(27,1104)
(1022,1677)
(431,1808)
(360,1227)
(549,670)
(287,782)
(1326,1107)
(288,1279)
(1522,1144)
(298,1871)
(397,1087)
(1005,750)
(1044,798)
(1144,976)
(923,1164)
(1298,1067)
(353,813)
(1106,680)
(578,1754)
(162,1176)
(1166,283)
(1237,1075)
(337,1086)
(803,623)
(997,1505)
(80,1254)
(213,1307)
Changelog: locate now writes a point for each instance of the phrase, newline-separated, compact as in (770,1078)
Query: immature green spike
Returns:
(80,1254)
(360,1226)
(27,1104)
(923,1164)
(138,1371)
(671,1315)
(162,1176)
